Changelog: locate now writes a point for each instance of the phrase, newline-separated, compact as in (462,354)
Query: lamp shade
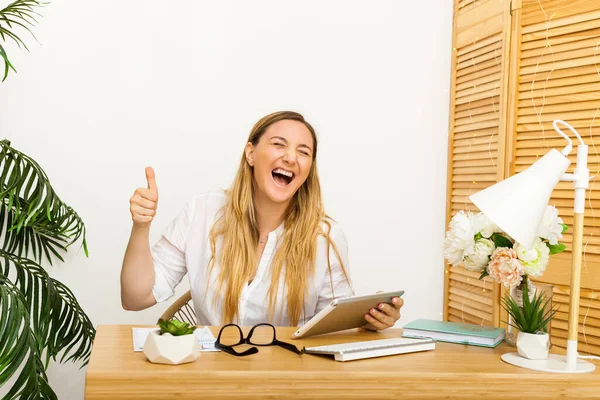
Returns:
(517,204)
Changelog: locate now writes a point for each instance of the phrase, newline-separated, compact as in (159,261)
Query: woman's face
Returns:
(282,159)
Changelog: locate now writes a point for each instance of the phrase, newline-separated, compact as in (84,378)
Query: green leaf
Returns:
(484,273)
(534,315)
(19,348)
(501,241)
(19,15)
(564,228)
(478,236)
(556,248)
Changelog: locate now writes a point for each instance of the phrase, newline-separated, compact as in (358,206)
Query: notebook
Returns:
(454,332)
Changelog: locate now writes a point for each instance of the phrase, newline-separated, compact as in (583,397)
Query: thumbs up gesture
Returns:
(144,201)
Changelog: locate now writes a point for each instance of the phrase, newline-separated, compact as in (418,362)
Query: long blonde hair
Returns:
(238,226)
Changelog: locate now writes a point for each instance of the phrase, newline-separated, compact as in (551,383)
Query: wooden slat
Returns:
(472,47)
(494,101)
(491,109)
(561,99)
(570,63)
(483,59)
(478,96)
(470,307)
(487,132)
(552,24)
(478,22)
(560,82)
(478,83)
(583,348)
(566,116)
(486,87)
(494,69)
(573,89)
(557,74)
(558,51)
(476,155)
(556,108)
(495,46)
(536,11)
(476,126)
(493,116)
(551,56)
(559,40)
(547,126)
(471,69)
(476,296)
(561,31)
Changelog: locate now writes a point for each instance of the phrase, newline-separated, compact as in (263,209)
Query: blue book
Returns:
(454,332)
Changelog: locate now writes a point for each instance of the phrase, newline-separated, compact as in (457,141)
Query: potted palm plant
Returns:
(174,343)
(531,318)
(40,317)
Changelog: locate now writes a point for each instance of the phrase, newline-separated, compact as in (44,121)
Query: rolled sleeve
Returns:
(168,255)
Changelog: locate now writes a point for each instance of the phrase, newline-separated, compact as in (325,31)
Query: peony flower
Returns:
(482,224)
(479,257)
(535,260)
(459,238)
(505,267)
(550,227)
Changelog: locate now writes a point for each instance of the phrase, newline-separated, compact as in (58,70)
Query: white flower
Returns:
(550,227)
(482,224)
(480,257)
(459,238)
(535,260)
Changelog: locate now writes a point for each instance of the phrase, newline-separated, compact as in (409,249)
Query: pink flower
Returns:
(505,267)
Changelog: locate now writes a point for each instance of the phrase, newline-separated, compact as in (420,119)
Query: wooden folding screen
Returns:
(546,66)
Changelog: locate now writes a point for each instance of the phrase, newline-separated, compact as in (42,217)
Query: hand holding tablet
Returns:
(345,313)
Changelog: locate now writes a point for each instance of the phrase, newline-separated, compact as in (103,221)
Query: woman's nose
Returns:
(289,156)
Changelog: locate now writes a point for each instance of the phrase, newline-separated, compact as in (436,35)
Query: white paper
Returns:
(204,336)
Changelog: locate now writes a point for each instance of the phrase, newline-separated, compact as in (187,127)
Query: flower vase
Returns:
(516,293)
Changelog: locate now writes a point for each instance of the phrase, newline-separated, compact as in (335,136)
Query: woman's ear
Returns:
(249,154)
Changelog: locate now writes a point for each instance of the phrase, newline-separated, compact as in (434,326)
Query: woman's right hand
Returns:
(144,202)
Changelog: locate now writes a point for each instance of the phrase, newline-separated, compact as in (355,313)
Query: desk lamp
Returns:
(517,205)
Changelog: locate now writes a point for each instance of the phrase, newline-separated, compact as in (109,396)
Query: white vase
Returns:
(167,349)
(533,346)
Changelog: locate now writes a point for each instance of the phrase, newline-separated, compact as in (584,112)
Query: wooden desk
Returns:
(451,371)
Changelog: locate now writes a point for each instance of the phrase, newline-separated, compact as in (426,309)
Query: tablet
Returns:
(344,313)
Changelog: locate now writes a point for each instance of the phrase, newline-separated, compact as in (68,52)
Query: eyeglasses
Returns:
(260,335)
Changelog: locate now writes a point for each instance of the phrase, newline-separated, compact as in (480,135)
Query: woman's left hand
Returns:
(385,316)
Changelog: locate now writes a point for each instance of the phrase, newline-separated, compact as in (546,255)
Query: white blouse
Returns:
(184,248)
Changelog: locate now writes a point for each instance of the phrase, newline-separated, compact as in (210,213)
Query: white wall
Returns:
(114,86)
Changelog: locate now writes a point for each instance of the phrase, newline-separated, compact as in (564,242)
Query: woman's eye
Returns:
(304,153)
(279,144)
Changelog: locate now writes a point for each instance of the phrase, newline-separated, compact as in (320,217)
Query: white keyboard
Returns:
(373,348)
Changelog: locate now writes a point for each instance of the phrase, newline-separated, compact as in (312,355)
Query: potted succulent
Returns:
(174,343)
(531,319)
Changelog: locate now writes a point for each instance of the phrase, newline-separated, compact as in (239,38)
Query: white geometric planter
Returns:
(167,349)
(533,346)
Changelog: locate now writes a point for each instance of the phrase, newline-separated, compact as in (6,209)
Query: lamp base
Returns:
(554,363)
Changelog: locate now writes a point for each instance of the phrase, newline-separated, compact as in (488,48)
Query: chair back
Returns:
(182,309)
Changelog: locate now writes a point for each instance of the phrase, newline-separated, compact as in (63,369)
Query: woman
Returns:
(263,251)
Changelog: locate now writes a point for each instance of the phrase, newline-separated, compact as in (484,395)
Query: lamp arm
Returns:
(567,150)
(580,179)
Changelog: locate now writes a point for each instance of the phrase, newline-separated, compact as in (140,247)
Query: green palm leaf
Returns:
(17,341)
(20,15)
(34,221)
(36,218)
(58,320)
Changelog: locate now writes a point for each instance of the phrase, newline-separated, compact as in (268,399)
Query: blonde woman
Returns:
(263,251)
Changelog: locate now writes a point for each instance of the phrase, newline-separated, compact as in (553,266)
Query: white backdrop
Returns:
(114,86)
